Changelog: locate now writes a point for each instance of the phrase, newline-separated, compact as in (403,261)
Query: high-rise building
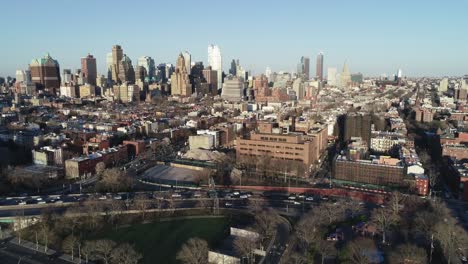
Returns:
(303,68)
(443,85)
(180,82)
(140,74)
(188,61)
(89,69)
(23,76)
(233,69)
(298,87)
(126,71)
(268,73)
(331,76)
(117,55)
(215,61)
(354,125)
(211,78)
(345,76)
(45,73)
(150,68)
(319,67)
(233,88)
(127,93)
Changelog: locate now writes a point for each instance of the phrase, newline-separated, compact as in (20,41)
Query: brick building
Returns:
(368,171)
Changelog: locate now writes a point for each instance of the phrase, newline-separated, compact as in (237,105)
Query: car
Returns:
(197,194)
(301,196)
(325,198)
(102,197)
(39,199)
(117,197)
(244,196)
(59,202)
(41,202)
(309,198)
(22,203)
(176,195)
(235,193)
(228,204)
(296,203)
(292,197)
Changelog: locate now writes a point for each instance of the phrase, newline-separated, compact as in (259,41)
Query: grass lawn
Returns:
(159,242)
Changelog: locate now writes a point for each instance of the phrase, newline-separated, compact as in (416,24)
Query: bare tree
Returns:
(266,222)
(103,249)
(396,202)
(452,238)
(92,209)
(194,251)
(115,180)
(125,254)
(408,253)
(325,248)
(100,168)
(384,219)
(69,244)
(87,250)
(309,230)
(358,251)
(141,204)
(245,247)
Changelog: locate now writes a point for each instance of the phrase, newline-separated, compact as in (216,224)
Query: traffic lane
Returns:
(12,251)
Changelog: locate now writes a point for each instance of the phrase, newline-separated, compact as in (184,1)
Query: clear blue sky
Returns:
(424,38)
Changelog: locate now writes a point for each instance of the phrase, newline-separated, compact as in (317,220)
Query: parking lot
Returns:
(170,175)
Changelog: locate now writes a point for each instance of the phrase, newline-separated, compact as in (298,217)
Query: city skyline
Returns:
(372,45)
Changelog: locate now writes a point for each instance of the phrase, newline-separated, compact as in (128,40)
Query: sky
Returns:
(423,38)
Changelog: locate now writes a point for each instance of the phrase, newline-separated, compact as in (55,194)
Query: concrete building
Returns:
(148,64)
(48,156)
(303,68)
(87,91)
(68,91)
(233,88)
(211,78)
(345,76)
(45,73)
(216,62)
(443,85)
(202,141)
(319,67)
(290,147)
(126,71)
(127,93)
(180,82)
(89,69)
(331,76)
(188,61)
(117,55)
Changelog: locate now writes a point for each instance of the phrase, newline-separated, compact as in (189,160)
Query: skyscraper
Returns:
(180,82)
(150,68)
(215,61)
(331,76)
(345,76)
(211,77)
(233,69)
(303,68)
(117,55)
(126,71)
(319,67)
(268,73)
(89,70)
(443,85)
(233,88)
(188,61)
(45,72)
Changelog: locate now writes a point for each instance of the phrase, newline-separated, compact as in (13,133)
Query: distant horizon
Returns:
(424,39)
